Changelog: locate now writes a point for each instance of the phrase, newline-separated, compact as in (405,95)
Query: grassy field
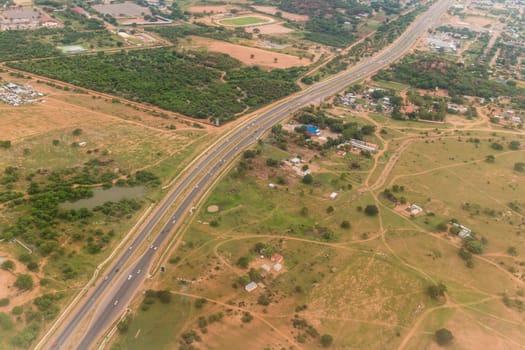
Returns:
(243,21)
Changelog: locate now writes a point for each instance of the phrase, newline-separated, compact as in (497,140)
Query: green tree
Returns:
(308,179)
(436,290)
(345,224)
(243,262)
(474,246)
(443,336)
(24,282)
(490,158)
(371,210)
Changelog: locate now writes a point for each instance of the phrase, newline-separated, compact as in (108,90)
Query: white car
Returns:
(115,303)
(129,277)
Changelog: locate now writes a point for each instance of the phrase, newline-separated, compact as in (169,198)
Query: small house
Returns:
(277,267)
(266,267)
(295,160)
(415,209)
(82,144)
(277,258)
(271,185)
(250,286)
(312,130)
(333,195)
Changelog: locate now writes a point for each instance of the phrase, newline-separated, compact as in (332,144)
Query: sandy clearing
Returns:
(209,9)
(244,54)
(272,10)
(274,28)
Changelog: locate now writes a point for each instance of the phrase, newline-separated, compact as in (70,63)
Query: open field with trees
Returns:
(198,84)
(355,265)
(67,149)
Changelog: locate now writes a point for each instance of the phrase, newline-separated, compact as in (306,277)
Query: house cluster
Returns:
(456,108)
(276,265)
(509,116)
(27,17)
(352,100)
(295,164)
(464,231)
(16,95)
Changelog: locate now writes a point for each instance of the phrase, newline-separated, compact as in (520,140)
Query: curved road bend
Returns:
(127,282)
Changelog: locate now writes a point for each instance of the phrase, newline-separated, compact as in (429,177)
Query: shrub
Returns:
(8,265)
(326,340)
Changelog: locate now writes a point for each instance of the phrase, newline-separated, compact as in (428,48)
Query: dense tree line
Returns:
(198,84)
(430,71)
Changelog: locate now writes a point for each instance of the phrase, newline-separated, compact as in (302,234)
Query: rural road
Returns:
(108,299)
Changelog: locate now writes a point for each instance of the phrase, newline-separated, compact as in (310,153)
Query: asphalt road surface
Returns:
(111,295)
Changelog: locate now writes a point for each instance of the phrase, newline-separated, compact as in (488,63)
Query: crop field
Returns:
(360,280)
(244,21)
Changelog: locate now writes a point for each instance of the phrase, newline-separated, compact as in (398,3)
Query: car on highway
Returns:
(139,271)
(115,303)
(106,278)
(129,277)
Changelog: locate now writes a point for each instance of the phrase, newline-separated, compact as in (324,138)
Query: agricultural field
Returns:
(359,268)
(110,157)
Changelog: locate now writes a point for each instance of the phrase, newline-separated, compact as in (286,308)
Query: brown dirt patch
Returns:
(213,209)
(208,9)
(274,28)
(244,54)
(272,10)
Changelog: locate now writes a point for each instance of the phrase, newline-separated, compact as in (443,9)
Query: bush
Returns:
(4,301)
(246,317)
(199,303)
(8,265)
(345,224)
(371,210)
(519,167)
(326,340)
(514,145)
(443,336)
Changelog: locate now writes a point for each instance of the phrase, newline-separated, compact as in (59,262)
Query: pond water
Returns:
(101,196)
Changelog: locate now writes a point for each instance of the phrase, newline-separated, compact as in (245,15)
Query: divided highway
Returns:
(101,307)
